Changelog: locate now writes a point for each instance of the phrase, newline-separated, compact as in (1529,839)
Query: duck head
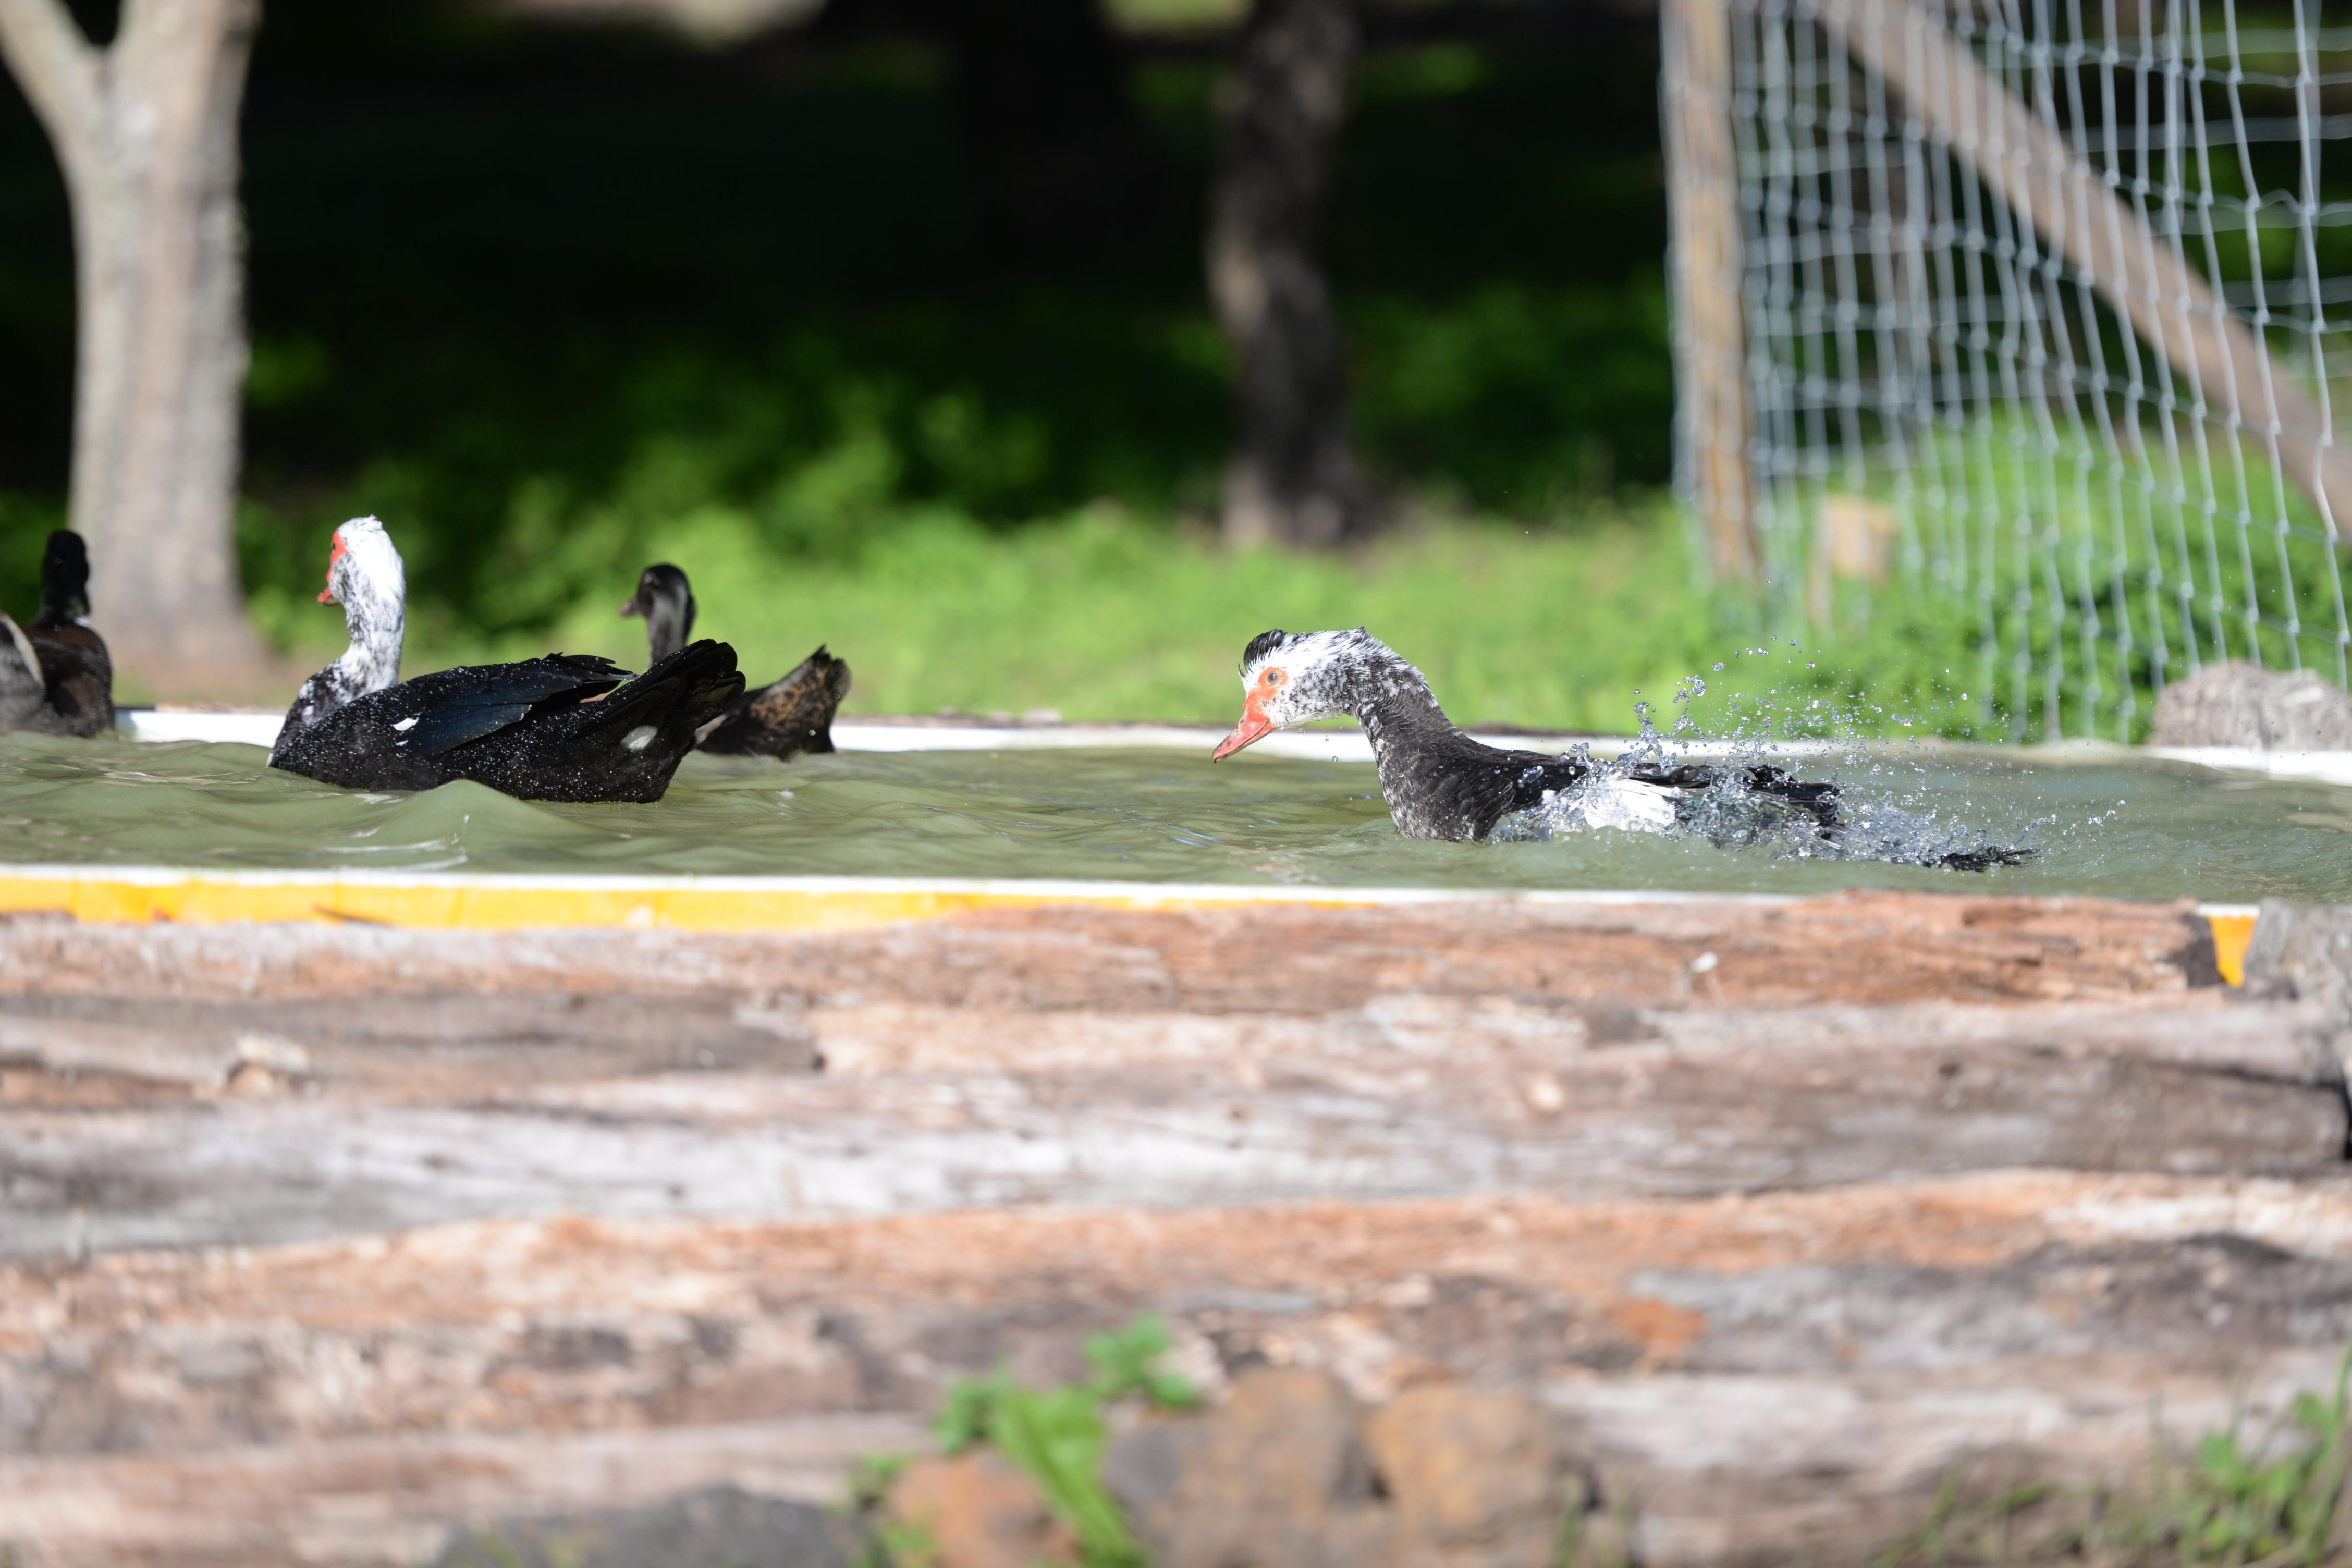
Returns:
(666,603)
(65,576)
(1297,677)
(365,577)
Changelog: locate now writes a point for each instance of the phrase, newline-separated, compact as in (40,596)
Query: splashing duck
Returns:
(566,727)
(56,676)
(1439,783)
(782,719)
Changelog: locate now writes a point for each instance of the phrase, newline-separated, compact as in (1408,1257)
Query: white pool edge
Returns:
(256,728)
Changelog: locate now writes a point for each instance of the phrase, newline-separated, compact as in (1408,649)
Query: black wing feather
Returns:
(454,706)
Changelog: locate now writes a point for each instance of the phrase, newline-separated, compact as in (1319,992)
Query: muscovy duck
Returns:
(782,719)
(566,727)
(56,676)
(1441,783)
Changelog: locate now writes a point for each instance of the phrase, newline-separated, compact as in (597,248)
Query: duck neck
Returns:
(377,626)
(61,604)
(1402,718)
(668,626)
(377,623)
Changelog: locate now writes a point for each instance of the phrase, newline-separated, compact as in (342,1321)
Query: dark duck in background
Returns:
(56,677)
(567,727)
(780,720)
(1441,783)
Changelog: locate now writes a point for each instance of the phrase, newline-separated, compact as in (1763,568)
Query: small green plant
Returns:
(2233,1507)
(1583,1541)
(1057,1435)
(883,1543)
(493,1553)
(2229,1506)
(1957,1531)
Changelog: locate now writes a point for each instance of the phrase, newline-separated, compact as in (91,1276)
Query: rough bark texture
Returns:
(325,1244)
(1292,477)
(145,131)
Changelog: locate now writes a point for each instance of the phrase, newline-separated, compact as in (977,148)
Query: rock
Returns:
(976,1510)
(721,1527)
(1474,1476)
(2235,704)
(2308,946)
(1277,1478)
(2307,949)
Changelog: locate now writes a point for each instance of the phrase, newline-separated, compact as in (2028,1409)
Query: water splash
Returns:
(1844,794)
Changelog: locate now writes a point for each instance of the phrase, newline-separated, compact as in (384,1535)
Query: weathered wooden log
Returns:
(165,1086)
(1755,1378)
(322,1240)
(1872,947)
(940,1108)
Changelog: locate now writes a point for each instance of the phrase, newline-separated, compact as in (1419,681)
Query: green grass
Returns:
(1100,615)
(2085,582)
(1103,615)
(2272,1500)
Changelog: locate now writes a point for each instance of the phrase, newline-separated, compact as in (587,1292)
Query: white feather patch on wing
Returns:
(1625,805)
(638,739)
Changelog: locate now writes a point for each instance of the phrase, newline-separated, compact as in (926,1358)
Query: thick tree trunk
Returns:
(1292,477)
(145,131)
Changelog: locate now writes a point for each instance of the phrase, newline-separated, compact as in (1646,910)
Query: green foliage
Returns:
(2231,1507)
(1103,615)
(540,298)
(1057,1435)
(2073,588)
(2226,1506)
(489,1552)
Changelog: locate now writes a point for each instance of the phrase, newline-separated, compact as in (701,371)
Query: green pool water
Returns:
(2110,825)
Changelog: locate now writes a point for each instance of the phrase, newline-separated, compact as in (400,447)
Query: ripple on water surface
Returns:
(2108,824)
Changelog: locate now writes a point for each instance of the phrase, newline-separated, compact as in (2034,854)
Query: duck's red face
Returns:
(1255,725)
(327,595)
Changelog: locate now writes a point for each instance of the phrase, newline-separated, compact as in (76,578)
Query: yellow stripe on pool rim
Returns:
(494,902)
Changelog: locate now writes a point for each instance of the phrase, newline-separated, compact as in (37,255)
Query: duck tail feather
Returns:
(682,692)
(1984,860)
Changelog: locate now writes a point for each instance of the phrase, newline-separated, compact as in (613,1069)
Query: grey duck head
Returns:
(666,603)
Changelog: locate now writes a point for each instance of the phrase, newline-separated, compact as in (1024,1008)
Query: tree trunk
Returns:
(1292,478)
(145,131)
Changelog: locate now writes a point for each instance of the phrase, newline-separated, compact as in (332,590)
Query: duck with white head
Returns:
(566,727)
(366,577)
(1439,783)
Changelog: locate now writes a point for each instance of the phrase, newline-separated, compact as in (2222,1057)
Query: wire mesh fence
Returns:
(2043,313)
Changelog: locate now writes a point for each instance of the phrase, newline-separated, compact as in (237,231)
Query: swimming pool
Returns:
(2104,822)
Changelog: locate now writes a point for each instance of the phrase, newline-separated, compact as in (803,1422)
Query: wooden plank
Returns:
(1710,335)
